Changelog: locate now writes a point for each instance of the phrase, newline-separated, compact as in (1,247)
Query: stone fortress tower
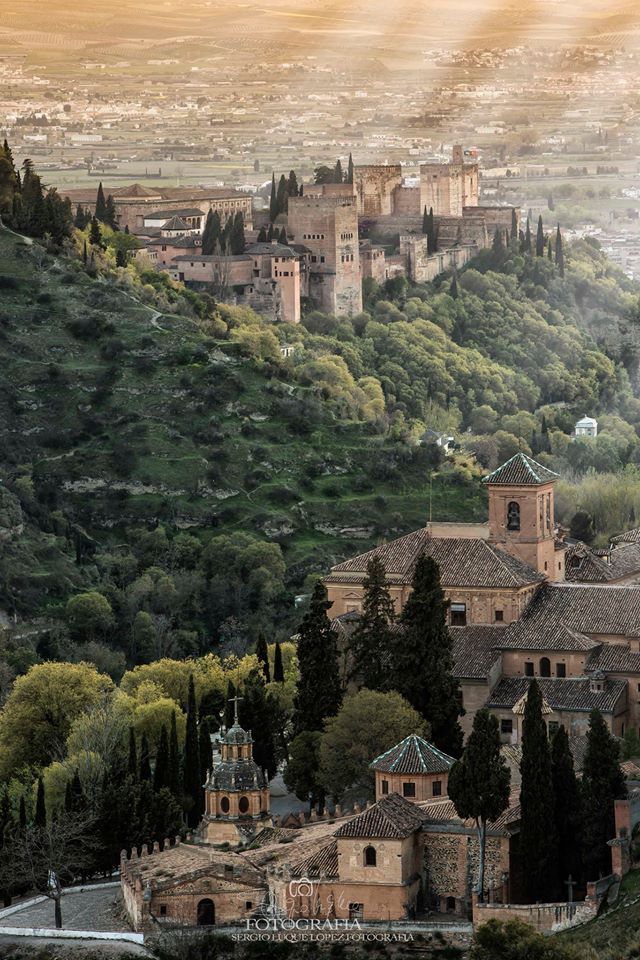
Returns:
(237,799)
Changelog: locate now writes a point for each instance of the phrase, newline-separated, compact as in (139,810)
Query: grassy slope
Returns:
(198,430)
(615,934)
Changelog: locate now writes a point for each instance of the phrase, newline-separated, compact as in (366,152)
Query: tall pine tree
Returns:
(559,252)
(262,653)
(371,642)
(479,782)
(132,762)
(318,694)
(350,170)
(540,241)
(537,834)
(567,812)
(145,760)
(161,770)
(602,783)
(422,662)
(101,205)
(191,765)
(173,778)
(273,201)
(278,668)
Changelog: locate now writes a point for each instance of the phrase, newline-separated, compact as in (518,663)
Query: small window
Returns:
(370,857)
(528,669)
(248,905)
(506,725)
(408,789)
(437,788)
(224,804)
(546,565)
(385,786)
(499,615)
(561,670)
(513,515)
(545,667)
(243,806)
(458,614)
(356,911)
(163,909)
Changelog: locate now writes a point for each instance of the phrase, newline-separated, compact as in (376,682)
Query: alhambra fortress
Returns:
(324,260)
(522,603)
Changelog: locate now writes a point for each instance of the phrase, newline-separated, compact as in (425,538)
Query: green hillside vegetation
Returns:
(614,934)
(159,454)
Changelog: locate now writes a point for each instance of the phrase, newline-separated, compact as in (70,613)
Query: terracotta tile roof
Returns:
(392,818)
(414,754)
(172,866)
(521,470)
(566,694)
(614,658)
(321,863)
(546,636)
(591,610)
(437,812)
(584,565)
(180,212)
(631,536)
(272,835)
(463,562)
(475,650)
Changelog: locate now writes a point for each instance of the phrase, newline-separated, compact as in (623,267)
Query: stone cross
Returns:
(570,883)
(235,700)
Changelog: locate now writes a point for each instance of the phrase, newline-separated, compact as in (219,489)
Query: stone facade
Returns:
(328,225)
(375,188)
(422,266)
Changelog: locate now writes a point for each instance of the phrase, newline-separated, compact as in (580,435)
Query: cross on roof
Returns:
(235,700)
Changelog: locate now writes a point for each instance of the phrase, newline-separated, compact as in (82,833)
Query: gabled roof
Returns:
(463,562)
(391,818)
(547,636)
(631,536)
(321,863)
(475,650)
(591,610)
(135,190)
(175,223)
(521,470)
(414,754)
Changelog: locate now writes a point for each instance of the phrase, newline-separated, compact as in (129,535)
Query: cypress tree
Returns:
(514,226)
(527,238)
(173,777)
(209,236)
(372,640)
(258,713)
(22,814)
(262,236)
(549,250)
(101,205)
(318,694)
(110,214)
(95,236)
(191,766)
(121,257)
(161,771)
(453,290)
(350,170)
(145,760)
(132,762)
(432,243)
(68,797)
(479,782)
(278,669)
(205,752)
(79,220)
(283,236)
(602,783)
(84,253)
(237,240)
(282,195)
(422,661)
(338,176)
(537,835)
(75,799)
(540,242)
(273,201)
(425,221)
(262,653)
(567,810)
(270,234)
(40,819)
(559,252)
(292,184)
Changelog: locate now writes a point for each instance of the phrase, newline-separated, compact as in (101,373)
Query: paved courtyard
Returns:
(92,909)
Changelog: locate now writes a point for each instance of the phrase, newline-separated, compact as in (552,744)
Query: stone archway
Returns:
(206,913)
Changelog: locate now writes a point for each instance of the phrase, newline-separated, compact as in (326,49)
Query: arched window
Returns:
(224,804)
(513,515)
(243,806)
(545,667)
(206,913)
(370,858)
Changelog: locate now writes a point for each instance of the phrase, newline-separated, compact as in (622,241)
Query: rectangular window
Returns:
(528,669)
(506,725)
(499,616)
(163,909)
(356,911)
(458,614)
(561,670)
(385,786)
(408,789)
(248,905)
(437,788)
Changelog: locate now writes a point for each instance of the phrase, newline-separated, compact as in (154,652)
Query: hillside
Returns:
(115,416)
(158,449)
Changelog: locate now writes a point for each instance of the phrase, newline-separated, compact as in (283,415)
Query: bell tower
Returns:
(237,798)
(521,514)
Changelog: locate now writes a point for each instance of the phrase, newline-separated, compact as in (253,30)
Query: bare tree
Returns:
(48,858)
